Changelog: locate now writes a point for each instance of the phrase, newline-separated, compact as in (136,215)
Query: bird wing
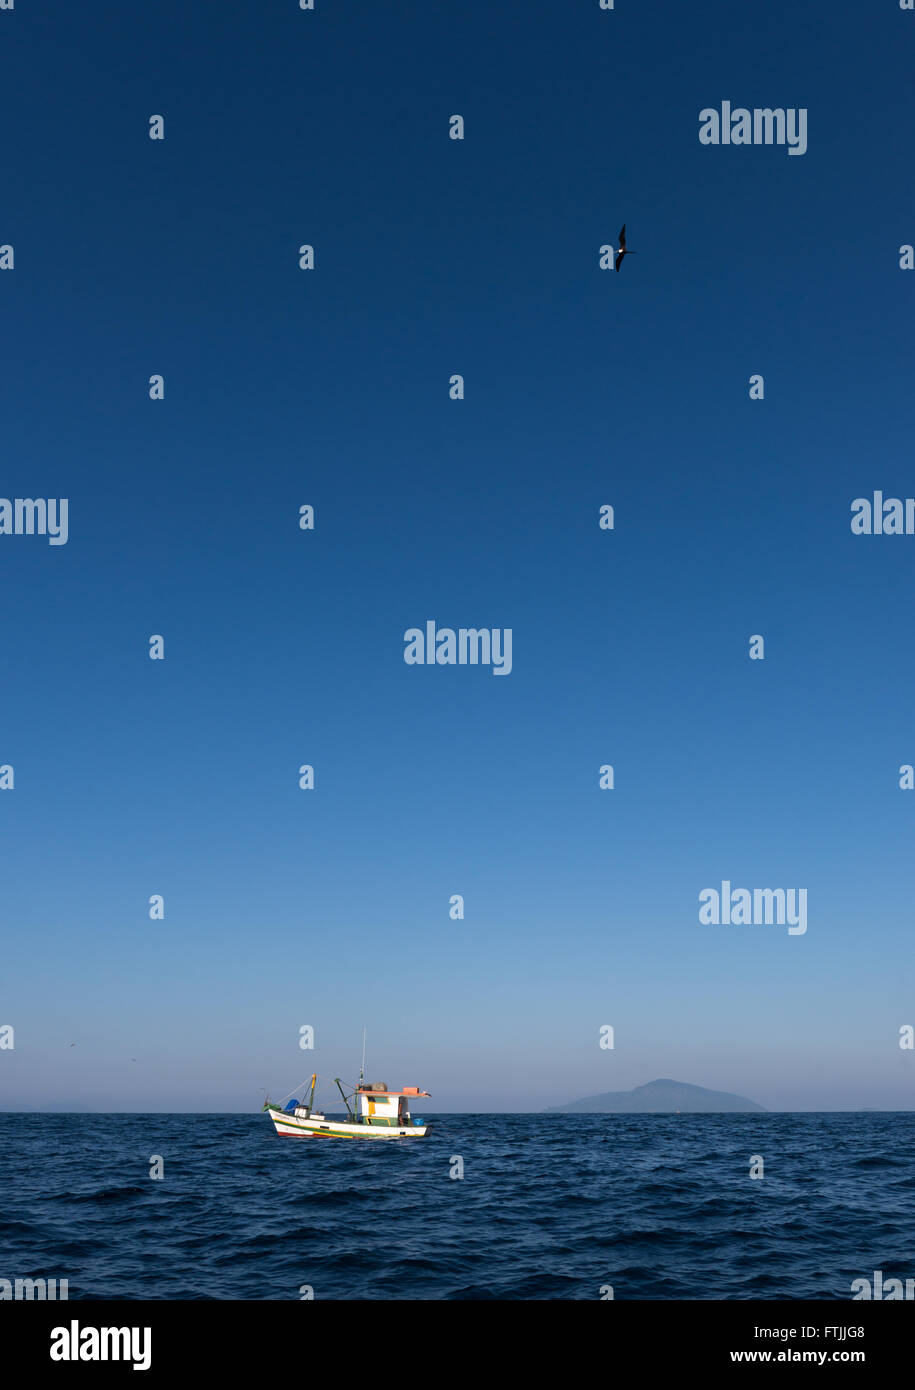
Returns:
(619,260)
(623,237)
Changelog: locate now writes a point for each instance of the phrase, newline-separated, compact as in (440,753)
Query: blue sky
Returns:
(283,387)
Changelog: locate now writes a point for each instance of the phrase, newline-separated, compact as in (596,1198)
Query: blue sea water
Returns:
(549,1207)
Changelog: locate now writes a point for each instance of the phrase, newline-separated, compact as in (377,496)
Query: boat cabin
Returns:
(379,1106)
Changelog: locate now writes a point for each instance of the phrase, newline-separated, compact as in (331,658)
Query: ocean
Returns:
(548,1207)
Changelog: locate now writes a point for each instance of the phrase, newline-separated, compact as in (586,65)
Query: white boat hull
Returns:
(297,1127)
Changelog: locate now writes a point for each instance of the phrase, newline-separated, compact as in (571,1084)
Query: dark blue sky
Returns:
(330,387)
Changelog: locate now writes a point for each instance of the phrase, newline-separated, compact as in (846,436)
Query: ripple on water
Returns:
(546,1210)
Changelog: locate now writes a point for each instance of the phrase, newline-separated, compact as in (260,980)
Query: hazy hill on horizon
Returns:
(659,1097)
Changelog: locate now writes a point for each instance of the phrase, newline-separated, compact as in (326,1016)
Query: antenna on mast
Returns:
(362,1072)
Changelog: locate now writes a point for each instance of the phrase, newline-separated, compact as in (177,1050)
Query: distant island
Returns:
(658,1097)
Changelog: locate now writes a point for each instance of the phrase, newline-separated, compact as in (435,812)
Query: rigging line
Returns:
(293,1091)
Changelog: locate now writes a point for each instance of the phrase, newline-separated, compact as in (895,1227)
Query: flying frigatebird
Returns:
(623,251)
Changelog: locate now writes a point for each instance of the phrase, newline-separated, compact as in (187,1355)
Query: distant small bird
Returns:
(73,1044)
(623,251)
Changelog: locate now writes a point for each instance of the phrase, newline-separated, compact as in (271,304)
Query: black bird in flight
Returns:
(623,251)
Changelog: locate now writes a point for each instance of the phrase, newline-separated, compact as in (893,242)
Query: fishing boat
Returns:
(373,1111)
